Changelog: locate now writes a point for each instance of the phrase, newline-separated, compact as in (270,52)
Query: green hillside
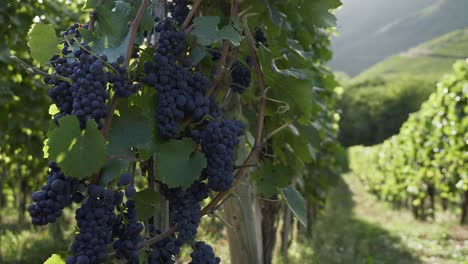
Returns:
(372,30)
(430,60)
(378,101)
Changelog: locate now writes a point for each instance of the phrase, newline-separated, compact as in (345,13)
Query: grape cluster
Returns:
(203,254)
(179,10)
(71,33)
(181,92)
(86,96)
(59,192)
(61,92)
(123,86)
(241,75)
(260,37)
(127,228)
(89,88)
(171,42)
(185,208)
(218,141)
(95,219)
(163,252)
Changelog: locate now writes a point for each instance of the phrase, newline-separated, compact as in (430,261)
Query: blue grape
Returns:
(128,230)
(218,141)
(89,88)
(164,251)
(181,92)
(95,220)
(203,254)
(125,179)
(122,84)
(179,10)
(59,192)
(260,37)
(185,208)
(241,76)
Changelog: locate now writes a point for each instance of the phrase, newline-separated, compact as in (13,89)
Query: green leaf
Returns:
(113,169)
(131,129)
(55,259)
(178,164)
(90,4)
(290,87)
(79,153)
(147,201)
(296,203)
(197,54)
(269,178)
(42,42)
(207,32)
(229,33)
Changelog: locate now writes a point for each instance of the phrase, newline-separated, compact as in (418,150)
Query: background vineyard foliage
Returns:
(24,102)
(293,63)
(427,161)
(375,103)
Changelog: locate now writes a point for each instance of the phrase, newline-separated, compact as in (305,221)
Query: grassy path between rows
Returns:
(357,228)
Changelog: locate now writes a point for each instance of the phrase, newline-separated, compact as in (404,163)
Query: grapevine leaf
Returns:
(78,153)
(55,259)
(112,30)
(143,256)
(269,178)
(90,4)
(289,87)
(207,32)
(197,54)
(318,13)
(119,48)
(178,164)
(229,33)
(113,169)
(130,129)
(296,203)
(147,201)
(42,42)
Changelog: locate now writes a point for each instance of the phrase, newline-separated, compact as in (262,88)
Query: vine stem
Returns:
(93,15)
(279,129)
(191,14)
(32,70)
(133,33)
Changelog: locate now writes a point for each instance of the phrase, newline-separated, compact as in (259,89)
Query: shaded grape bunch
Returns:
(179,10)
(185,208)
(123,86)
(164,251)
(203,254)
(89,88)
(260,37)
(127,228)
(241,75)
(218,141)
(181,92)
(95,220)
(59,192)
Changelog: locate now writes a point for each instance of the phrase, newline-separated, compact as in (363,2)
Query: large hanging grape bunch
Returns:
(86,85)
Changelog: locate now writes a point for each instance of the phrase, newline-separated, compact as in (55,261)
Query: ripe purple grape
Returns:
(59,192)
(203,254)
(218,141)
